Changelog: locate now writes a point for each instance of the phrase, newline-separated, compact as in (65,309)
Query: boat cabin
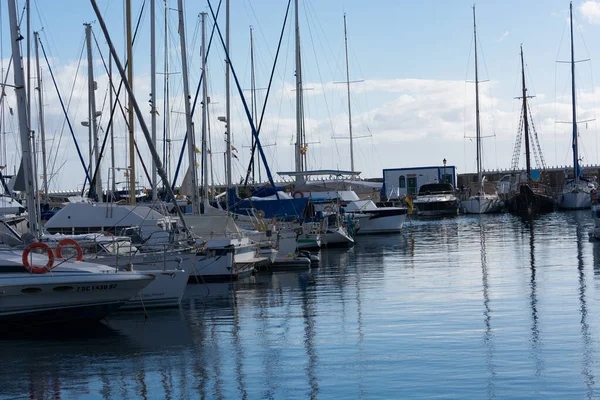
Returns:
(398,182)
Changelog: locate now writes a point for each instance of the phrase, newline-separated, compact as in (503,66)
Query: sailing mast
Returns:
(575,147)
(253,101)
(227,104)
(299,136)
(477,122)
(167,108)
(42,126)
(188,115)
(24,129)
(204,113)
(525,121)
(93,126)
(349,107)
(130,105)
(112,132)
(153,91)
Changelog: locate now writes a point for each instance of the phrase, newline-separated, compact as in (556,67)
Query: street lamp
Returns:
(444,179)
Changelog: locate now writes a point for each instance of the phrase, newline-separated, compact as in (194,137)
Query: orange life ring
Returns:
(107,233)
(35,269)
(328,208)
(69,242)
(298,192)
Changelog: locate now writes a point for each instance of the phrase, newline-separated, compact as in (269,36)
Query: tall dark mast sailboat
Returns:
(528,197)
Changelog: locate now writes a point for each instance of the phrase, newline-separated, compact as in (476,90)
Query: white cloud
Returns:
(591,11)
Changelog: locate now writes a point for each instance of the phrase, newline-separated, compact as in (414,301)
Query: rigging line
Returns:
(91,192)
(241,94)
(322,85)
(262,114)
(196,99)
(65,111)
(64,122)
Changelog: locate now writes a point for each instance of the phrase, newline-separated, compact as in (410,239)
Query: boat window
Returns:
(402,182)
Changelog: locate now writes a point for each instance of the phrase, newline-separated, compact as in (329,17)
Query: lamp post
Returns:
(444,177)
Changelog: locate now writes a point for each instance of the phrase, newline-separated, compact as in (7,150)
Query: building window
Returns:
(402,182)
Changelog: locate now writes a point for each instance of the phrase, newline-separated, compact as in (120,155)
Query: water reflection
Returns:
(587,351)
(395,317)
(536,343)
(488,337)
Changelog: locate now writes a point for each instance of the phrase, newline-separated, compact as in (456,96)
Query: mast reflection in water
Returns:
(483,306)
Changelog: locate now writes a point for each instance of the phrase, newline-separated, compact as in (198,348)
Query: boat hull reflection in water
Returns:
(488,306)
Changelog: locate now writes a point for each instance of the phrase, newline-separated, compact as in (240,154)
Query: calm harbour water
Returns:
(472,307)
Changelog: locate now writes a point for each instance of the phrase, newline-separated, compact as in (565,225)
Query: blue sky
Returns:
(413,59)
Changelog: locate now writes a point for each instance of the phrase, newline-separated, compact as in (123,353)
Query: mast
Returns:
(153,90)
(525,121)
(19,78)
(349,106)
(188,115)
(112,132)
(299,136)
(575,147)
(28,12)
(41,104)
(477,122)
(227,102)
(252,96)
(93,126)
(130,105)
(144,128)
(204,112)
(167,112)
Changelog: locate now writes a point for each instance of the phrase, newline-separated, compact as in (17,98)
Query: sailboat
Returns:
(527,197)
(577,192)
(480,203)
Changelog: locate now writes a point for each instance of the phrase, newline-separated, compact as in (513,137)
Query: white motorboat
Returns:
(170,267)
(373,219)
(436,199)
(70,291)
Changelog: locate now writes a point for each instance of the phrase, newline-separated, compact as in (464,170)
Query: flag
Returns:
(197,150)
(409,202)
(233,148)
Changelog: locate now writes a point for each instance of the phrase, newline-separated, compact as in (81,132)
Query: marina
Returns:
(183,216)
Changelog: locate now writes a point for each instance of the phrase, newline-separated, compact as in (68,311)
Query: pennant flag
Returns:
(409,203)
(197,151)
(233,148)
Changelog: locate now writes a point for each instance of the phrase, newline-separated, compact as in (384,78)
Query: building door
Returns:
(412,185)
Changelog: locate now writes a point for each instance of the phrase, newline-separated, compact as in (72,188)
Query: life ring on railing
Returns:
(328,208)
(35,269)
(71,243)
(107,233)
(298,192)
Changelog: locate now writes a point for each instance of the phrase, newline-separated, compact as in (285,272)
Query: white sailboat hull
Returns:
(482,205)
(60,296)
(378,222)
(337,237)
(575,200)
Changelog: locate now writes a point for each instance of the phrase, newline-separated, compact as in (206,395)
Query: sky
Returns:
(413,102)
